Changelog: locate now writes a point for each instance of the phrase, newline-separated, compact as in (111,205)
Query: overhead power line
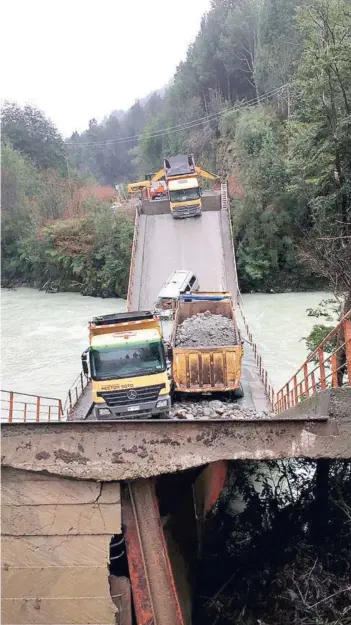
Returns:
(181,127)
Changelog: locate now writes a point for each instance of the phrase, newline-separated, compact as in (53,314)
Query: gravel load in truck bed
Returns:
(206,330)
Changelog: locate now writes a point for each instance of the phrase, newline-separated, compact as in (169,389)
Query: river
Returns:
(43,335)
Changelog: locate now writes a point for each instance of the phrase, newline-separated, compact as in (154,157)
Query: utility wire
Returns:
(181,127)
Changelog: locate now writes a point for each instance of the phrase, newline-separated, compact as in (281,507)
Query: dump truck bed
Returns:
(206,368)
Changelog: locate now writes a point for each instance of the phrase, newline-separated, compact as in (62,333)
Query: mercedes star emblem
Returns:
(132,394)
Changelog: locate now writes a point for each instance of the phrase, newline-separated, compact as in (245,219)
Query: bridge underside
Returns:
(319,427)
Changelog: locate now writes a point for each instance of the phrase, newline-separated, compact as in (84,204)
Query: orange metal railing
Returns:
(24,408)
(268,386)
(328,366)
(132,258)
(75,391)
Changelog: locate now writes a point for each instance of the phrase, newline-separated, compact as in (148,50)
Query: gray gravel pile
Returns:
(215,409)
(206,330)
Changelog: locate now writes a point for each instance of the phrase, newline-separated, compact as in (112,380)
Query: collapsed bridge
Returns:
(72,488)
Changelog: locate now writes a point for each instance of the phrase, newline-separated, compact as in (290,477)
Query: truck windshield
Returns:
(184,195)
(127,361)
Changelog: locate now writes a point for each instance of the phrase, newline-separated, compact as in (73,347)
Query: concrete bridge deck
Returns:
(127,450)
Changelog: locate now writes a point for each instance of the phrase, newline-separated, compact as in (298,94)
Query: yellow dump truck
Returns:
(206,346)
(127,364)
(181,177)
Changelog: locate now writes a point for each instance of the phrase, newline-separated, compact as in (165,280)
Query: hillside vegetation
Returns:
(263,97)
(56,235)
(282,72)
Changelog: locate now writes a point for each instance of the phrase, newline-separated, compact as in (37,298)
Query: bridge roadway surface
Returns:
(202,245)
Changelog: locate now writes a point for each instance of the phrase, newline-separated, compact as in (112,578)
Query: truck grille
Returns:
(185,211)
(136,395)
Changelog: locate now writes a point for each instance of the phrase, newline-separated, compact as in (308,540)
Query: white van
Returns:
(180,281)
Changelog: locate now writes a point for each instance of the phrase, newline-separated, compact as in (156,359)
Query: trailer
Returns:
(207,355)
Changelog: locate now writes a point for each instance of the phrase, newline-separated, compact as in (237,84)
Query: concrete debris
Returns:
(215,409)
(206,330)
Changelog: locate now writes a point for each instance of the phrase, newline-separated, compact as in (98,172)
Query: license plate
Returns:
(133,408)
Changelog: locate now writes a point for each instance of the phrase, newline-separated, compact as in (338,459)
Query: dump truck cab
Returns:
(128,367)
(183,186)
(184,197)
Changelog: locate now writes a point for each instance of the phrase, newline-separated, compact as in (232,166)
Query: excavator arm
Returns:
(158,175)
(134,186)
(206,174)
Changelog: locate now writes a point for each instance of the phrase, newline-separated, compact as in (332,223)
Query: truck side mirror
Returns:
(85,362)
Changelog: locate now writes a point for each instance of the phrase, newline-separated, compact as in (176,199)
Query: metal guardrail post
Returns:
(37,417)
(132,259)
(11,407)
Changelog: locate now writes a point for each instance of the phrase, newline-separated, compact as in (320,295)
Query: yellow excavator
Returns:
(139,189)
(181,177)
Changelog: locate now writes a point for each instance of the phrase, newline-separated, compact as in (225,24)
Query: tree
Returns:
(321,141)
(278,44)
(30,132)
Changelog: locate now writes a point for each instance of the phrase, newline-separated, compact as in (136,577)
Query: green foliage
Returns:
(30,132)
(317,335)
(320,145)
(90,254)
(42,247)
(263,221)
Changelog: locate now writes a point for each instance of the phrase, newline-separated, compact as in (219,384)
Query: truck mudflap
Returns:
(203,370)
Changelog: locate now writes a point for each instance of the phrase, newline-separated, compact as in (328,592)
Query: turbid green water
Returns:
(278,322)
(43,335)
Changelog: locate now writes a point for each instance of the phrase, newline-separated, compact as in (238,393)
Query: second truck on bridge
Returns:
(129,364)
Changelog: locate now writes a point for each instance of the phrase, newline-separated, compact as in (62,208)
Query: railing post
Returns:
(287,394)
(305,377)
(70,398)
(37,418)
(296,397)
(59,413)
(25,413)
(322,369)
(347,335)
(81,381)
(301,391)
(334,366)
(11,407)
(49,414)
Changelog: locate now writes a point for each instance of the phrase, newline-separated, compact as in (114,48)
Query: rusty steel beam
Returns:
(137,572)
(320,427)
(154,591)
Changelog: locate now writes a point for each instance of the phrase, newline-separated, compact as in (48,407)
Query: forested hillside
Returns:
(263,98)
(56,233)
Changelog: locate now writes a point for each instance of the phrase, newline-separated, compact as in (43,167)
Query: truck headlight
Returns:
(104,411)
(162,403)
